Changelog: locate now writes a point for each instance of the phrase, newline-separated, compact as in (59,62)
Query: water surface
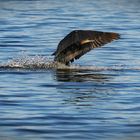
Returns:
(97,100)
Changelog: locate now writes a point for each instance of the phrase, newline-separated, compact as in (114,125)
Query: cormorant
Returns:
(79,42)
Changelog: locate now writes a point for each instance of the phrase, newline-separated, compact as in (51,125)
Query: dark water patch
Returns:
(10,42)
(14,37)
(16,46)
(8,103)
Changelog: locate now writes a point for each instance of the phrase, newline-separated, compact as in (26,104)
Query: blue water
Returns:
(99,100)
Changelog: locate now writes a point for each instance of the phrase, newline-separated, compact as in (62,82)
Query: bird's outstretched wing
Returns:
(79,42)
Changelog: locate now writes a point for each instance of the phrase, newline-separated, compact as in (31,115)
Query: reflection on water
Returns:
(69,75)
(83,86)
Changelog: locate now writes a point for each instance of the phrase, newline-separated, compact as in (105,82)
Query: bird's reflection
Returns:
(82,88)
(80,76)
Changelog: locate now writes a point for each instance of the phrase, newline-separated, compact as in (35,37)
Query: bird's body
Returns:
(79,42)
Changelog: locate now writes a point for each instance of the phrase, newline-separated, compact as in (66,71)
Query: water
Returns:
(97,98)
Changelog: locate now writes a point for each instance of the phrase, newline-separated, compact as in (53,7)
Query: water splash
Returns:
(24,61)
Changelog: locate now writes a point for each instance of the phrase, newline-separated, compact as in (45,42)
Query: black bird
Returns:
(79,42)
